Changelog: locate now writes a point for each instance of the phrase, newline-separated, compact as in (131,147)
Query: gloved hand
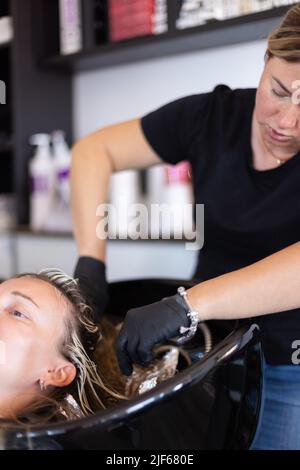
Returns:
(90,273)
(146,326)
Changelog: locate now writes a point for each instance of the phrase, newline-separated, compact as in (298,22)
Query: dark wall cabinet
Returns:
(42,99)
(6,125)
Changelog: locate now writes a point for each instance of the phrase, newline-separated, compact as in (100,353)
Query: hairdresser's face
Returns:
(32,323)
(278,108)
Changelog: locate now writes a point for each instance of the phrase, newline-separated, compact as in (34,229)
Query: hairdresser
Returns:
(244,149)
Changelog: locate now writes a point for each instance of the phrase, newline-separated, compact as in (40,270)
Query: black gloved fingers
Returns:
(177,304)
(145,355)
(124,360)
(139,352)
(146,326)
(132,348)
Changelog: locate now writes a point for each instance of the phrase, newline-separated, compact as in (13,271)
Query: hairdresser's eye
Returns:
(17,313)
(278,94)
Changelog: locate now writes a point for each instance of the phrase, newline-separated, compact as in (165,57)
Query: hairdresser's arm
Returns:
(268,286)
(94,159)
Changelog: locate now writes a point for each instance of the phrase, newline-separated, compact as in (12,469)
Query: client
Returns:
(55,363)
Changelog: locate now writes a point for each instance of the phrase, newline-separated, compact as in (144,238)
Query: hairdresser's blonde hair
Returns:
(284,41)
(89,391)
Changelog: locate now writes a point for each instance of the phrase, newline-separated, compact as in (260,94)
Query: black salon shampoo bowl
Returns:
(211,404)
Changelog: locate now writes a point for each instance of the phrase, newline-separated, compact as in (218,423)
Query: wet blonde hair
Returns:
(284,41)
(89,391)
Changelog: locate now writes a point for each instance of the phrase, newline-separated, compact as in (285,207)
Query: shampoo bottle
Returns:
(41,172)
(62,164)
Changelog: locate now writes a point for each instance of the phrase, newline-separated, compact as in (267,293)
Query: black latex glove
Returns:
(144,327)
(92,281)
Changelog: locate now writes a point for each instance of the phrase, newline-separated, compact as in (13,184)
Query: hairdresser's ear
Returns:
(62,375)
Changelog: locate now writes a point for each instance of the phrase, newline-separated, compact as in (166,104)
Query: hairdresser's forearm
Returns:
(90,175)
(268,286)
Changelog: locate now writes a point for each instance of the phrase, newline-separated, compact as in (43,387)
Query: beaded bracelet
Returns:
(188,332)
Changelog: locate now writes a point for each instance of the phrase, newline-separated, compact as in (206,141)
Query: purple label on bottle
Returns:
(64,174)
(71,11)
(38,184)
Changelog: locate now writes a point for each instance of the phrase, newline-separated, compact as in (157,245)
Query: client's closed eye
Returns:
(17,313)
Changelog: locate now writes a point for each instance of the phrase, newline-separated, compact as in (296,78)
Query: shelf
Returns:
(25,230)
(251,27)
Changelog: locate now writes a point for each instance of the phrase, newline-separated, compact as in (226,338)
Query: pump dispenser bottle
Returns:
(41,172)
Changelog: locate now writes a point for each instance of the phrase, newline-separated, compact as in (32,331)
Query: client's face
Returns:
(33,318)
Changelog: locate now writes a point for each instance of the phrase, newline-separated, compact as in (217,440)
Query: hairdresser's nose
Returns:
(289,119)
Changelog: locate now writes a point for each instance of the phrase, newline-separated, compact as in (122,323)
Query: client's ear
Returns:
(62,375)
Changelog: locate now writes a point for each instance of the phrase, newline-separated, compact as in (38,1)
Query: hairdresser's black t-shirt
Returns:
(249,214)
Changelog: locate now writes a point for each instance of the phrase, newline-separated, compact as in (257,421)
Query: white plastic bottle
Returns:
(70,26)
(124,193)
(156,182)
(62,164)
(41,171)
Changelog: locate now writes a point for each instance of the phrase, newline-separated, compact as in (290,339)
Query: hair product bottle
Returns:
(62,163)
(42,179)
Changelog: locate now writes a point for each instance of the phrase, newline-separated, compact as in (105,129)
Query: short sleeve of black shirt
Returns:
(171,129)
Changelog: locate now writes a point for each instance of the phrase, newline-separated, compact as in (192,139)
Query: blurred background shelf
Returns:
(26,230)
(215,33)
